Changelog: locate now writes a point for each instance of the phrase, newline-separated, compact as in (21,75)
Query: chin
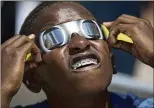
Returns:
(91,82)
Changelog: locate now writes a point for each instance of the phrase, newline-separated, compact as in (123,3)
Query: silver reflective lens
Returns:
(60,35)
(52,38)
(91,29)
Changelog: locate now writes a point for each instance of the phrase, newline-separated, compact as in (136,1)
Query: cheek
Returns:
(53,72)
(102,47)
(105,54)
(56,61)
(56,57)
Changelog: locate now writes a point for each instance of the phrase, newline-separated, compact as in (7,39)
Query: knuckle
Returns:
(7,50)
(112,30)
(38,51)
(134,28)
(17,35)
(123,15)
(11,52)
(141,23)
(147,21)
(16,53)
(120,18)
(120,25)
(23,36)
(30,43)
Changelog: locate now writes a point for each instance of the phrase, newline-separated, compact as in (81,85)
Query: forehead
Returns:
(61,13)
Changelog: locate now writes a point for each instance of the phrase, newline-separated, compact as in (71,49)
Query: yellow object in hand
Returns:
(28,56)
(121,36)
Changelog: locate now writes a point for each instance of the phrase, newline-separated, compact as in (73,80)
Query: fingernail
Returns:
(38,58)
(112,41)
(32,36)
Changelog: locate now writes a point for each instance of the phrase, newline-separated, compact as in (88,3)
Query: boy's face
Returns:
(56,74)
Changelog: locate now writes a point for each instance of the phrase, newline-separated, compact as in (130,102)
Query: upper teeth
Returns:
(84,62)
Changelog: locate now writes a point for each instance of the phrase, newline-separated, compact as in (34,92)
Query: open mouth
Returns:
(84,61)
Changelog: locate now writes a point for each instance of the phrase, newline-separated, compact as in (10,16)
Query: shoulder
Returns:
(117,100)
(130,101)
(147,103)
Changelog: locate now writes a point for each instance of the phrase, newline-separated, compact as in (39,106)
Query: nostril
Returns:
(84,48)
(76,48)
(87,47)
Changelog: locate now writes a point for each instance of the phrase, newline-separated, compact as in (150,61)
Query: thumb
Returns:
(127,47)
(29,65)
(108,24)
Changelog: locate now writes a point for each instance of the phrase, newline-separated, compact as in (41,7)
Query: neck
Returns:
(99,100)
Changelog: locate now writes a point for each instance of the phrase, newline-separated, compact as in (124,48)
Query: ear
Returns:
(30,80)
(112,59)
(113,64)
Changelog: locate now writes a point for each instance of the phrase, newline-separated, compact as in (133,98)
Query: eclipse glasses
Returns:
(60,35)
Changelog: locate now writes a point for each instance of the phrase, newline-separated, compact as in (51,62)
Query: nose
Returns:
(78,44)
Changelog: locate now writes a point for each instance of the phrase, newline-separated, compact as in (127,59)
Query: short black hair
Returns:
(27,25)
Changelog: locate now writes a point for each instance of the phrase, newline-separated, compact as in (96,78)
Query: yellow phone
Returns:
(121,36)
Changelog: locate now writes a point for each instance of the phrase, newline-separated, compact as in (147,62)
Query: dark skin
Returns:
(51,72)
(140,31)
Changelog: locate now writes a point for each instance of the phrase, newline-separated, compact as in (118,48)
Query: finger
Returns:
(31,47)
(127,19)
(29,65)
(32,64)
(5,44)
(138,20)
(130,16)
(21,40)
(108,24)
(121,19)
(123,46)
(124,19)
(116,30)
(31,36)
